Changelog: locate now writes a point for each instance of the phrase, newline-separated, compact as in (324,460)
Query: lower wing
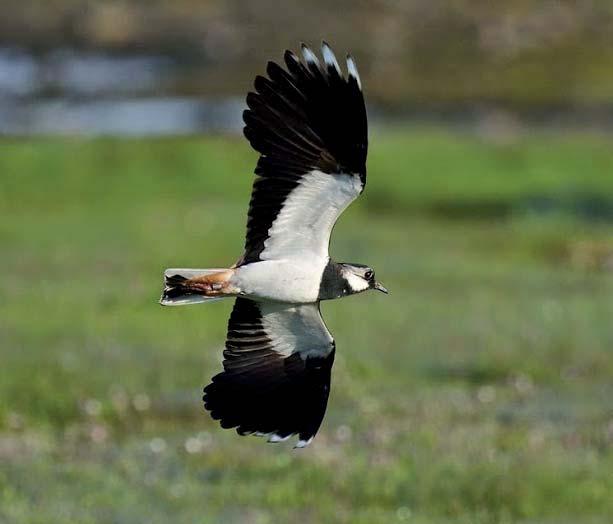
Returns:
(276,377)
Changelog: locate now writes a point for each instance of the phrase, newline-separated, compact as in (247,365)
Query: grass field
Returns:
(478,391)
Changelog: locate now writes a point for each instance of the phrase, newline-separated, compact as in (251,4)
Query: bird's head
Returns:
(360,278)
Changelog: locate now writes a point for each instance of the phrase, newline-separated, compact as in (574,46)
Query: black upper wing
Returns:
(305,118)
(277,366)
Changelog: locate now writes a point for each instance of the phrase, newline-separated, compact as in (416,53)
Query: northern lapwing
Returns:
(308,122)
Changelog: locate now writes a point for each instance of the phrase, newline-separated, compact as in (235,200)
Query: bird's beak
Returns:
(379,287)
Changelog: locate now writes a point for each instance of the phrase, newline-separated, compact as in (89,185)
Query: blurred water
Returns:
(95,74)
(68,72)
(18,73)
(127,117)
(91,93)
(65,91)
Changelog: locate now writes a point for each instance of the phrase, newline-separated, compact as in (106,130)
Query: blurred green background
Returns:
(478,391)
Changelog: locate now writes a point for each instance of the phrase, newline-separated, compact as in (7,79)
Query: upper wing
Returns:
(309,124)
(276,375)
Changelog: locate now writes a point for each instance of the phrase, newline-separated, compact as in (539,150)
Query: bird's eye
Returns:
(369,274)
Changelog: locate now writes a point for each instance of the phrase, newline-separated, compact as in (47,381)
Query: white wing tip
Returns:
(330,61)
(353,71)
(309,56)
(274,438)
(329,58)
(303,443)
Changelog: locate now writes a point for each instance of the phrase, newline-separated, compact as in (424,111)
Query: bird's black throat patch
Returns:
(333,284)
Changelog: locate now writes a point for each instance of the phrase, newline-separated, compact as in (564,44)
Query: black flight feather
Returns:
(302,118)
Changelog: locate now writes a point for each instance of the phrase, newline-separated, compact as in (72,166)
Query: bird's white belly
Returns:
(287,280)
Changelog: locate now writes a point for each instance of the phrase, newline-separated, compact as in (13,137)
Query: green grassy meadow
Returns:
(478,391)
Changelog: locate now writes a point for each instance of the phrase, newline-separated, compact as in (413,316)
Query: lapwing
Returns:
(308,122)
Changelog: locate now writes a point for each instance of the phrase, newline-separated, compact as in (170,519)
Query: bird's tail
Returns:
(193,286)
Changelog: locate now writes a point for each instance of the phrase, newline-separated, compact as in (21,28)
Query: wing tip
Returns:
(289,56)
(329,58)
(309,56)
(353,71)
(274,438)
(303,443)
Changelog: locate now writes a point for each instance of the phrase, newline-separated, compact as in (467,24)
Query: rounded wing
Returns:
(309,124)
(276,377)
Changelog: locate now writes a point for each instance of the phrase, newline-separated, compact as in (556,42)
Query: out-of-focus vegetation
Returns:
(478,391)
(524,53)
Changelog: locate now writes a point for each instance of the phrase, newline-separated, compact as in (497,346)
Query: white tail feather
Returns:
(186,300)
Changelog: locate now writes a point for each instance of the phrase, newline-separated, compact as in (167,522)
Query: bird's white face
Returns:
(361,278)
(357,283)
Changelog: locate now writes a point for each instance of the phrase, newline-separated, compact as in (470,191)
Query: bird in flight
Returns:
(308,122)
